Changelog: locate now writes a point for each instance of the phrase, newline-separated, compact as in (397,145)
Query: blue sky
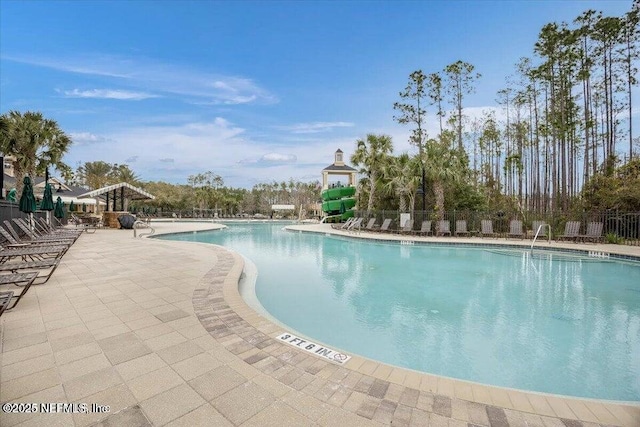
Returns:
(253,91)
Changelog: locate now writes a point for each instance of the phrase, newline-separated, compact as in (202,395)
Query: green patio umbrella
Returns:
(58,211)
(72,207)
(84,207)
(27,200)
(47,200)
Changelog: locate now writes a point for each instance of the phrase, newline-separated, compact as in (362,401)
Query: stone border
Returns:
(376,391)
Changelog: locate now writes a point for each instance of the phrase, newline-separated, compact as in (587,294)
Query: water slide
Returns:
(338,203)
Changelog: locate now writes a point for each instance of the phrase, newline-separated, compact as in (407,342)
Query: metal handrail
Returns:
(140,224)
(538,232)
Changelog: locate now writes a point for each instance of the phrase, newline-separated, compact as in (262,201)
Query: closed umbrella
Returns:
(58,211)
(27,201)
(84,207)
(72,207)
(47,201)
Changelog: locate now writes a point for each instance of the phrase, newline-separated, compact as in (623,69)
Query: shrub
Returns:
(613,238)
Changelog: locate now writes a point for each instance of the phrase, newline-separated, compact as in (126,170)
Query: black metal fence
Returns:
(618,227)
(212,214)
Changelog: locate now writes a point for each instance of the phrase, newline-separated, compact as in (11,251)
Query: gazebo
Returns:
(116,195)
(338,168)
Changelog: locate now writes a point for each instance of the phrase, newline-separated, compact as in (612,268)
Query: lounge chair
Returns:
(344,225)
(24,280)
(371,224)
(33,252)
(425,229)
(10,229)
(29,266)
(385,225)
(443,227)
(537,224)
(571,230)
(357,224)
(11,242)
(47,228)
(407,228)
(486,228)
(5,299)
(40,232)
(461,228)
(38,237)
(594,232)
(515,229)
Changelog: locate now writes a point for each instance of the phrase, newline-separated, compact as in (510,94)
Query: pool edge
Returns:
(543,404)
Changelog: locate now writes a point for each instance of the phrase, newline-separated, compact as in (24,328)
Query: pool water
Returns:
(553,323)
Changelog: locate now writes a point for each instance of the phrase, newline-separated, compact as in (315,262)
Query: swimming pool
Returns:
(552,323)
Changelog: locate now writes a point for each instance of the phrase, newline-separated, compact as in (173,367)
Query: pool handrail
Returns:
(540,227)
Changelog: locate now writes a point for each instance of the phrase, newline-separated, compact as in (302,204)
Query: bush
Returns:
(613,238)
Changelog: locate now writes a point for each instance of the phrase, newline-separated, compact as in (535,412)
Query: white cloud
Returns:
(280,158)
(173,152)
(90,65)
(145,74)
(85,138)
(108,94)
(216,145)
(314,127)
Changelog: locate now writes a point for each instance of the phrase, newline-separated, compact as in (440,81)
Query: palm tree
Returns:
(35,143)
(95,174)
(442,164)
(122,173)
(402,175)
(370,156)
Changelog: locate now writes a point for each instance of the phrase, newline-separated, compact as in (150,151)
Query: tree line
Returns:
(565,119)
(37,143)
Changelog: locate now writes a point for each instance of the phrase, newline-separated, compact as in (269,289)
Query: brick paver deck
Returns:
(157,331)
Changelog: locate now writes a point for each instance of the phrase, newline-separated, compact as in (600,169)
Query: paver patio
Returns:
(157,331)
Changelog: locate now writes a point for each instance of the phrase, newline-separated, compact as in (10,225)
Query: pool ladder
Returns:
(540,227)
(142,225)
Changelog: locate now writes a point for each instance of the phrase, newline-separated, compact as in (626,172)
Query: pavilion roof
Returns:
(130,192)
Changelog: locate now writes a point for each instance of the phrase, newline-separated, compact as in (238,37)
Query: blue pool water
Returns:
(551,322)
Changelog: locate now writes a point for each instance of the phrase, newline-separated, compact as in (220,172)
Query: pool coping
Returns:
(377,386)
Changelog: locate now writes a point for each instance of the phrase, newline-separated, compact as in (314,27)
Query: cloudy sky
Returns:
(253,91)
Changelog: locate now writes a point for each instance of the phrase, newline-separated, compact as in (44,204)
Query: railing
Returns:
(618,227)
(142,225)
(540,227)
